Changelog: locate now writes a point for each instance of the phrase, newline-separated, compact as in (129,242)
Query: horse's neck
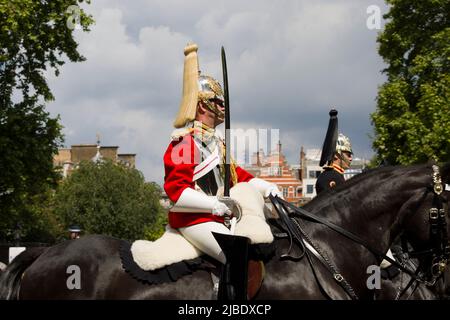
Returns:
(370,211)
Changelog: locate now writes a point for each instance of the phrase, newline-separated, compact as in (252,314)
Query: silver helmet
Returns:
(343,144)
(209,88)
(211,94)
(196,88)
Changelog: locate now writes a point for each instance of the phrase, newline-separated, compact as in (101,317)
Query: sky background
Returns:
(289,63)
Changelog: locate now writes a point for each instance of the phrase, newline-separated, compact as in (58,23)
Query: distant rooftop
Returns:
(313,154)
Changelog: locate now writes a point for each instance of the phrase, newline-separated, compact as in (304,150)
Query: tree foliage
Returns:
(36,35)
(35,38)
(108,198)
(413,107)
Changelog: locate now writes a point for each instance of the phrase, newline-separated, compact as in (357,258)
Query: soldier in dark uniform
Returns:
(333,173)
(74,232)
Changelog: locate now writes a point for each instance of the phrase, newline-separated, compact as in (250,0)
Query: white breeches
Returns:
(201,237)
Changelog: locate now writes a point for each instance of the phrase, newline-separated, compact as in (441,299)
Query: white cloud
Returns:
(289,62)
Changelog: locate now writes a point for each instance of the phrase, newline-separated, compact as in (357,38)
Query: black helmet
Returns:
(74,228)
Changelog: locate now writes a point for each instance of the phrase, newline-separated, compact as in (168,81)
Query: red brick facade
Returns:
(274,168)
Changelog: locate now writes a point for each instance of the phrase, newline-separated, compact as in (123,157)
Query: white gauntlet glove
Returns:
(266,188)
(274,191)
(194,201)
(220,209)
(234,206)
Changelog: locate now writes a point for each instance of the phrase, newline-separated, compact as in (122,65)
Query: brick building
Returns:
(297,182)
(274,168)
(68,158)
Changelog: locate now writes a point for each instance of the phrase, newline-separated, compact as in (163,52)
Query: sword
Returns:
(226,191)
(226,188)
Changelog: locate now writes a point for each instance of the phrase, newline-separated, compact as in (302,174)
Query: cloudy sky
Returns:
(289,62)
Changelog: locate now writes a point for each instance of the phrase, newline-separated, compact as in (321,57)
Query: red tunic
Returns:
(180,160)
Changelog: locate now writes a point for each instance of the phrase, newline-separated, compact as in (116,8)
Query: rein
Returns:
(438,237)
(295,232)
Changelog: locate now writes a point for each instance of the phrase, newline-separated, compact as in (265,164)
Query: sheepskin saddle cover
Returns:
(172,247)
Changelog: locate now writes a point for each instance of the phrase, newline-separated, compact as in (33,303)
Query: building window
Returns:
(314,174)
(309,189)
(299,192)
(285,193)
(275,171)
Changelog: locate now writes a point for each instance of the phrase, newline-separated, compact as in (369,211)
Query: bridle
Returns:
(439,250)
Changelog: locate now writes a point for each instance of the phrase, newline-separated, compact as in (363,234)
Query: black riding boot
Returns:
(233,279)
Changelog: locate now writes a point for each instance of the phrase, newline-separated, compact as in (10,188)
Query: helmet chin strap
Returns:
(342,160)
(210,107)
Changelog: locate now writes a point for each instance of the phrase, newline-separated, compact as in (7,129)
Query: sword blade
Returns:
(226,191)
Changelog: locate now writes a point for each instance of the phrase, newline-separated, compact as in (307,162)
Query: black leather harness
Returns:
(439,249)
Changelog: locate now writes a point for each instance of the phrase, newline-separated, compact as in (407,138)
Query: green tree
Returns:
(35,36)
(108,198)
(41,223)
(413,107)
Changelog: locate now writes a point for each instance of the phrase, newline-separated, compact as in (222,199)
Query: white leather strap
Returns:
(207,165)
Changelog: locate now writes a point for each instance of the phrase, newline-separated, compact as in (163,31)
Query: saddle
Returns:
(172,256)
(258,255)
(172,247)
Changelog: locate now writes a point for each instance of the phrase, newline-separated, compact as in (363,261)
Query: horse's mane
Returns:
(377,172)
(444,169)
(367,178)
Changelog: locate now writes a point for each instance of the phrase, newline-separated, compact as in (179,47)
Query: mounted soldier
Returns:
(195,170)
(336,157)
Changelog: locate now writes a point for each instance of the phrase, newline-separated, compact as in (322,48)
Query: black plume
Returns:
(329,145)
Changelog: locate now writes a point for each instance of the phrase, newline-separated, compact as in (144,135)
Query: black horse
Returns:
(377,205)
(403,287)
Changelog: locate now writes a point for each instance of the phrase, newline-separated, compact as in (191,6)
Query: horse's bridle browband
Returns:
(438,237)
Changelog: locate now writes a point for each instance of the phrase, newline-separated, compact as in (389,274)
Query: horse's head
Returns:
(425,220)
